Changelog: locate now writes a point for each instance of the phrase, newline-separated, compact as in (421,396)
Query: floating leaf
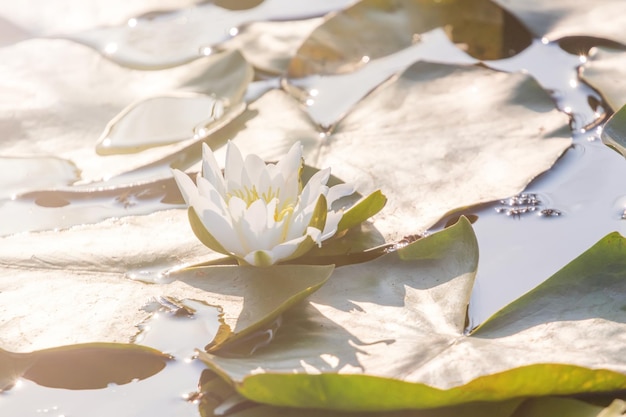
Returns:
(604,72)
(269,46)
(372,29)
(89,366)
(328,98)
(29,174)
(251,298)
(614,131)
(437,138)
(125,380)
(563,18)
(92,265)
(396,325)
(65,16)
(56,116)
(171,39)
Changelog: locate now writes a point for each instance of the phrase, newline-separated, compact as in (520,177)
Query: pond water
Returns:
(523,239)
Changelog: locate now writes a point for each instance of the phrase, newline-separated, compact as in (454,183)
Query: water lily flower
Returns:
(260,213)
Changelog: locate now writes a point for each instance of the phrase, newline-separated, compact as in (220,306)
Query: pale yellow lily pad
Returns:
(437,138)
(372,29)
(557,19)
(58,97)
(42,17)
(604,71)
(77,286)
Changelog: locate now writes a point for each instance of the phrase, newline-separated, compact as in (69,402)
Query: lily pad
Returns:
(614,131)
(396,325)
(57,117)
(604,71)
(171,39)
(269,46)
(29,174)
(563,18)
(90,379)
(371,29)
(71,15)
(89,366)
(437,138)
(91,265)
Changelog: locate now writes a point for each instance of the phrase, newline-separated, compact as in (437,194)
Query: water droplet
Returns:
(110,48)
(132,22)
(233,31)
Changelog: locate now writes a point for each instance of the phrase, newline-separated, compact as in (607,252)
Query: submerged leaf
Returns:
(396,325)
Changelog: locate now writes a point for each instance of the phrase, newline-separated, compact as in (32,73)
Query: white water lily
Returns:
(257,212)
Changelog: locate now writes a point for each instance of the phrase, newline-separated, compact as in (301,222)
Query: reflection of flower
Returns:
(258,212)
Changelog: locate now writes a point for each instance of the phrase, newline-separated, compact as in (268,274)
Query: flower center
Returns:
(250,195)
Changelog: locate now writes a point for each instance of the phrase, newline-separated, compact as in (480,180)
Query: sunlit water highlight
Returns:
(177,328)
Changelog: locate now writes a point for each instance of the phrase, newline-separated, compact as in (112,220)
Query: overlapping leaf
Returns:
(373,29)
(396,325)
(74,286)
(437,138)
(175,38)
(562,18)
(48,109)
(605,72)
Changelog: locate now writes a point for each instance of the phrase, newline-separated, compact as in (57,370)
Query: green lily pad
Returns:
(397,325)
(614,131)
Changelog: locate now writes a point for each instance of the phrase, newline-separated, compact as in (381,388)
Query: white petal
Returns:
(218,226)
(290,189)
(237,208)
(286,249)
(338,191)
(254,167)
(332,220)
(315,187)
(292,161)
(315,234)
(186,186)
(300,222)
(234,167)
(252,227)
(208,191)
(211,171)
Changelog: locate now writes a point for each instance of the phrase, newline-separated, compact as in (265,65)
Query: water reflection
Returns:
(61,209)
(176,327)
